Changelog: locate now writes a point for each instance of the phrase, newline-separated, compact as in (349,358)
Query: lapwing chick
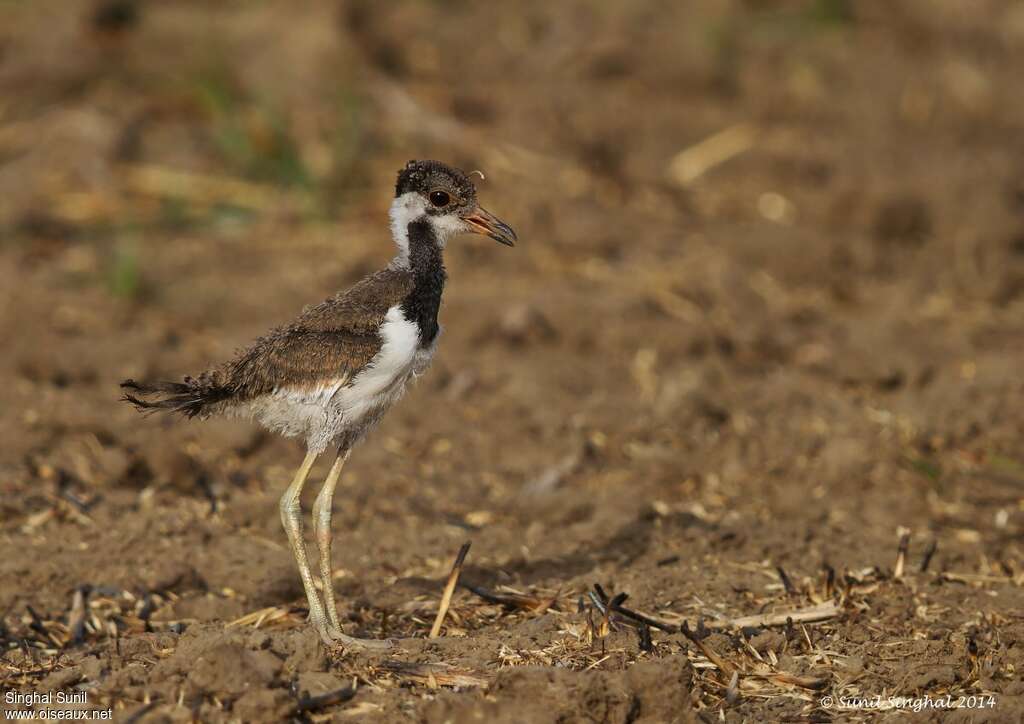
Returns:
(331,374)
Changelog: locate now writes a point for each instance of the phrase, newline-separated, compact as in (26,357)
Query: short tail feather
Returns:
(192,398)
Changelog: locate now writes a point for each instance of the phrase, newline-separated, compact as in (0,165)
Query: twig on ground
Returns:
(76,617)
(449,589)
(928,553)
(787,584)
(617,607)
(644,633)
(811,614)
(830,580)
(724,666)
(901,553)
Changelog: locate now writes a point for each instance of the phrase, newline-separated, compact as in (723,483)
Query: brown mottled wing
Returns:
(331,341)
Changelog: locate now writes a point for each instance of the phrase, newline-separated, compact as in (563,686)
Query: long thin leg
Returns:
(322,509)
(291,518)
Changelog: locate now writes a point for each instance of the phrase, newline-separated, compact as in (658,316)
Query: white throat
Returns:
(405,209)
(408,208)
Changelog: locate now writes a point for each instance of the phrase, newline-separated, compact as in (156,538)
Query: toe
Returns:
(366,644)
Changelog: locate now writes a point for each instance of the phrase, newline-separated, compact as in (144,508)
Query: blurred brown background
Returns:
(767,308)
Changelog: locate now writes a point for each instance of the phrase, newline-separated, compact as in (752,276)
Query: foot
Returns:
(332,636)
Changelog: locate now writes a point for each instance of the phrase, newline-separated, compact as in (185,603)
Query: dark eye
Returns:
(439,198)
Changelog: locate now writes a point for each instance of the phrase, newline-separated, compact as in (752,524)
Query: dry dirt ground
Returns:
(767,312)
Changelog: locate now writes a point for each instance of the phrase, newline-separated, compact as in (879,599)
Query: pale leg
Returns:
(322,510)
(291,518)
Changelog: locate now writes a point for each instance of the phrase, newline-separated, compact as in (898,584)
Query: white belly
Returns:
(346,406)
(383,381)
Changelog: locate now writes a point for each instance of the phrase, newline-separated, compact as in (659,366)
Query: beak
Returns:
(480,221)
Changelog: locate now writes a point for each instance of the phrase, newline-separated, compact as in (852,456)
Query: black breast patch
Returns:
(427,265)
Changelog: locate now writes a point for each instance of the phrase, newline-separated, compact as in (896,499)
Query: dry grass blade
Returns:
(691,163)
(815,683)
(732,693)
(449,589)
(437,674)
(977,578)
(811,614)
(513,600)
(260,617)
